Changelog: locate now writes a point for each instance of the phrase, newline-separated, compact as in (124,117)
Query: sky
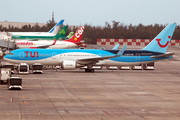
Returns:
(92,12)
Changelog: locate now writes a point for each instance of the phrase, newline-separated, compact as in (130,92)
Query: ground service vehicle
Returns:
(125,67)
(137,67)
(23,68)
(48,67)
(14,83)
(37,68)
(94,67)
(112,67)
(149,66)
(11,66)
(5,74)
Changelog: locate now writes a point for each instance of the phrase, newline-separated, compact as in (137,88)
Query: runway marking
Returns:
(38,112)
(127,112)
(25,103)
(22,97)
(106,112)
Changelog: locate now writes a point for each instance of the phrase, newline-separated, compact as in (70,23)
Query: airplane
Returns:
(73,58)
(61,34)
(51,32)
(69,43)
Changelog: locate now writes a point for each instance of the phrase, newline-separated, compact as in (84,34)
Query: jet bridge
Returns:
(6,41)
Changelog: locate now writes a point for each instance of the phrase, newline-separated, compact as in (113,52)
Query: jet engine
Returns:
(69,64)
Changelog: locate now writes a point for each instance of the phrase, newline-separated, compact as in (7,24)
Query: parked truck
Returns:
(5,74)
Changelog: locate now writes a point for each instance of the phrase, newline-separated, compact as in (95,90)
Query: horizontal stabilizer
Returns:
(168,54)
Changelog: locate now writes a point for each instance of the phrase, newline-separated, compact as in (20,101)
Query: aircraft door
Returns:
(54,55)
(138,57)
(21,55)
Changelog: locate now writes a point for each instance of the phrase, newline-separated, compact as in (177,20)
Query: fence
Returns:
(135,42)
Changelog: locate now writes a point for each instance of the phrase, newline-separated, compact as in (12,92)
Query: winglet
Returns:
(54,42)
(116,47)
(121,51)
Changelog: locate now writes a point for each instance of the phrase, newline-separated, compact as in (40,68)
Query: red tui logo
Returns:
(158,40)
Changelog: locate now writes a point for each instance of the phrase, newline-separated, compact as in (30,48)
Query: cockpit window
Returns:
(10,53)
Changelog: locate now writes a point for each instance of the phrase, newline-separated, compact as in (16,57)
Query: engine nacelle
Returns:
(69,64)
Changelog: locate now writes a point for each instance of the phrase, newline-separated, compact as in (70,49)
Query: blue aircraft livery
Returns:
(59,23)
(74,58)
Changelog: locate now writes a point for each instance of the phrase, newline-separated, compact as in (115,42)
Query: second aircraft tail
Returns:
(161,41)
(77,36)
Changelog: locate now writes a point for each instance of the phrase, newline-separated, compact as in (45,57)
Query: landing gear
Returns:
(89,70)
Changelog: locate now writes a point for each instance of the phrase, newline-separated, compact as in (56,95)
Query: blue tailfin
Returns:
(59,23)
(161,41)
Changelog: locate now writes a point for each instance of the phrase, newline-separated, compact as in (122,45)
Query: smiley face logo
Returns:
(163,46)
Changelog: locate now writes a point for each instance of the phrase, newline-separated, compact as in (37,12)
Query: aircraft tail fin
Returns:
(161,41)
(77,36)
(70,35)
(57,27)
(62,32)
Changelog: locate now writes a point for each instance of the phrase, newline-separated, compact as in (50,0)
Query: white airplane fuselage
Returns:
(33,44)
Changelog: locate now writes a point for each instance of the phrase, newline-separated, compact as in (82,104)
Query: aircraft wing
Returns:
(96,59)
(44,46)
(167,54)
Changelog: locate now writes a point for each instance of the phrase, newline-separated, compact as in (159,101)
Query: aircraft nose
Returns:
(6,57)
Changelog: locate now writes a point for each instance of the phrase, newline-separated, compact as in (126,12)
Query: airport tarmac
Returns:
(102,95)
